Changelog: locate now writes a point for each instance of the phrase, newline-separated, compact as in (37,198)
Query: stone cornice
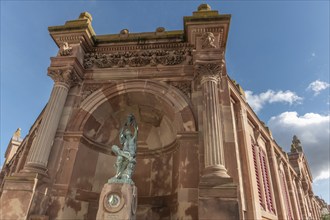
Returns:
(78,31)
(160,73)
(141,46)
(141,38)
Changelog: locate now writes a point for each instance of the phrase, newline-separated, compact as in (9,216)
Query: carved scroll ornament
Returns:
(138,58)
(66,76)
(212,71)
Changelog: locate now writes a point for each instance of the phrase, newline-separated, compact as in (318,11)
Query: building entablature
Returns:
(206,31)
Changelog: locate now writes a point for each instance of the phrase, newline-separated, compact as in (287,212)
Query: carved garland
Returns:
(138,58)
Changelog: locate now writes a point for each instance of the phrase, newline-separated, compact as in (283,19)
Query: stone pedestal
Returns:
(218,202)
(25,197)
(117,201)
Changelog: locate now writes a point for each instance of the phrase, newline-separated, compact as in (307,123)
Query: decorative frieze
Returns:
(138,58)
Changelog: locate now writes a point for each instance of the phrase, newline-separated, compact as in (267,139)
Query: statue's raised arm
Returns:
(134,124)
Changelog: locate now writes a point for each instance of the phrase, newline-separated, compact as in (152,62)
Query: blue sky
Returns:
(278,51)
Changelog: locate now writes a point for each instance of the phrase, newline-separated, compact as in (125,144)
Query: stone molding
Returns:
(139,47)
(138,58)
(180,103)
(64,75)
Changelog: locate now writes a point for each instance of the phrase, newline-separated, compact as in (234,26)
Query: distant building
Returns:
(202,151)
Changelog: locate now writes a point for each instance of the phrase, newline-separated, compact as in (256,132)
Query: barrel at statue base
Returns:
(117,201)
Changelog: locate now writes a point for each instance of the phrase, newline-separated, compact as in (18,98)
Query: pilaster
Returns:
(245,147)
(207,31)
(275,162)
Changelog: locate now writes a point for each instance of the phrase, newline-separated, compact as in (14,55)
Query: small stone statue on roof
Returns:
(126,161)
(295,146)
(65,49)
(17,133)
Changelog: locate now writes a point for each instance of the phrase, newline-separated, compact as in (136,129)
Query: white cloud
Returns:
(317,86)
(313,131)
(323,175)
(258,101)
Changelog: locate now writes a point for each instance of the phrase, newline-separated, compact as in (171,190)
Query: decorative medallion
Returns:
(113,202)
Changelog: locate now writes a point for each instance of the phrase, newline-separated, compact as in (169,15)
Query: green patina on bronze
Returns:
(125,164)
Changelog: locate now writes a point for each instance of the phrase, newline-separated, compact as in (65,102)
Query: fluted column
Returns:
(38,155)
(209,76)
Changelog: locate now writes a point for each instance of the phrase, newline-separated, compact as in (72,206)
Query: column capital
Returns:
(64,75)
(208,71)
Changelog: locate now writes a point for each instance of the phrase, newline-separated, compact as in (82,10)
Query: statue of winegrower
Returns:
(126,161)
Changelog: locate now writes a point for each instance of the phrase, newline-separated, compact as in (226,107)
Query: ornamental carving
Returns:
(296,145)
(210,70)
(65,49)
(89,89)
(65,76)
(138,58)
(208,40)
(183,86)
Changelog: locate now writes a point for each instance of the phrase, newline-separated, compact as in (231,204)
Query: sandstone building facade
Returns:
(202,151)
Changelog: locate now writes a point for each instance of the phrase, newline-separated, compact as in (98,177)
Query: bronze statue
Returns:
(126,161)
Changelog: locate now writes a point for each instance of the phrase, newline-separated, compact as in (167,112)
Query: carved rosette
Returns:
(138,58)
(208,71)
(64,76)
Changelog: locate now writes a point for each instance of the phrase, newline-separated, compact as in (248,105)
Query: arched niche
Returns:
(161,111)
